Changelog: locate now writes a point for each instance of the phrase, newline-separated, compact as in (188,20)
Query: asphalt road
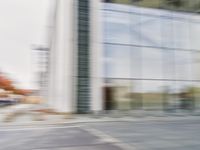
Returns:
(181,134)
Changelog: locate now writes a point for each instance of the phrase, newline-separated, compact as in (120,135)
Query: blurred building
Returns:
(131,54)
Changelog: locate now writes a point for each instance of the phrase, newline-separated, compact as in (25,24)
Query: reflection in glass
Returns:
(183,65)
(136,62)
(181,32)
(150,28)
(195,63)
(118,62)
(185,95)
(168,61)
(194,32)
(153,56)
(135,30)
(151,63)
(117,94)
(169,96)
(152,95)
(196,94)
(167,38)
(136,95)
(117,27)
(121,94)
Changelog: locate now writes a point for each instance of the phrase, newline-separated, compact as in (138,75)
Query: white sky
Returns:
(22,23)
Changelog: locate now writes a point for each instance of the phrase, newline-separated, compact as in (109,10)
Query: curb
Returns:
(82,120)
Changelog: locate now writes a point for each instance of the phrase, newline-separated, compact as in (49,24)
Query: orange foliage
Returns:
(7,85)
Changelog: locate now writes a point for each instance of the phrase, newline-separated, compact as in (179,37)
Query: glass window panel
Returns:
(136,62)
(117,27)
(152,94)
(119,61)
(108,51)
(183,65)
(181,32)
(136,94)
(180,86)
(150,30)
(194,31)
(168,64)
(108,68)
(108,61)
(169,96)
(135,32)
(151,63)
(196,94)
(195,63)
(121,94)
(167,39)
(184,95)
(194,18)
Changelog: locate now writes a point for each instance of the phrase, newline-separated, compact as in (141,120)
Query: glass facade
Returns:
(151,57)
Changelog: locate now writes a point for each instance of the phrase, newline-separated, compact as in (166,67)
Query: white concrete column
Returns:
(60,86)
(96,55)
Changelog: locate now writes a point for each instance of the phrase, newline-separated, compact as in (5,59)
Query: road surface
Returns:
(180,134)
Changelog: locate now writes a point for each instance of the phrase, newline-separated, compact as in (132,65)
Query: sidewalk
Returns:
(115,116)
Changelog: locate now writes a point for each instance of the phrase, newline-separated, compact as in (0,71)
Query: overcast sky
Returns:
(22,23)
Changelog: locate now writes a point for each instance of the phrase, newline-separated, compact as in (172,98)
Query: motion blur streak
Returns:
(100,74)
